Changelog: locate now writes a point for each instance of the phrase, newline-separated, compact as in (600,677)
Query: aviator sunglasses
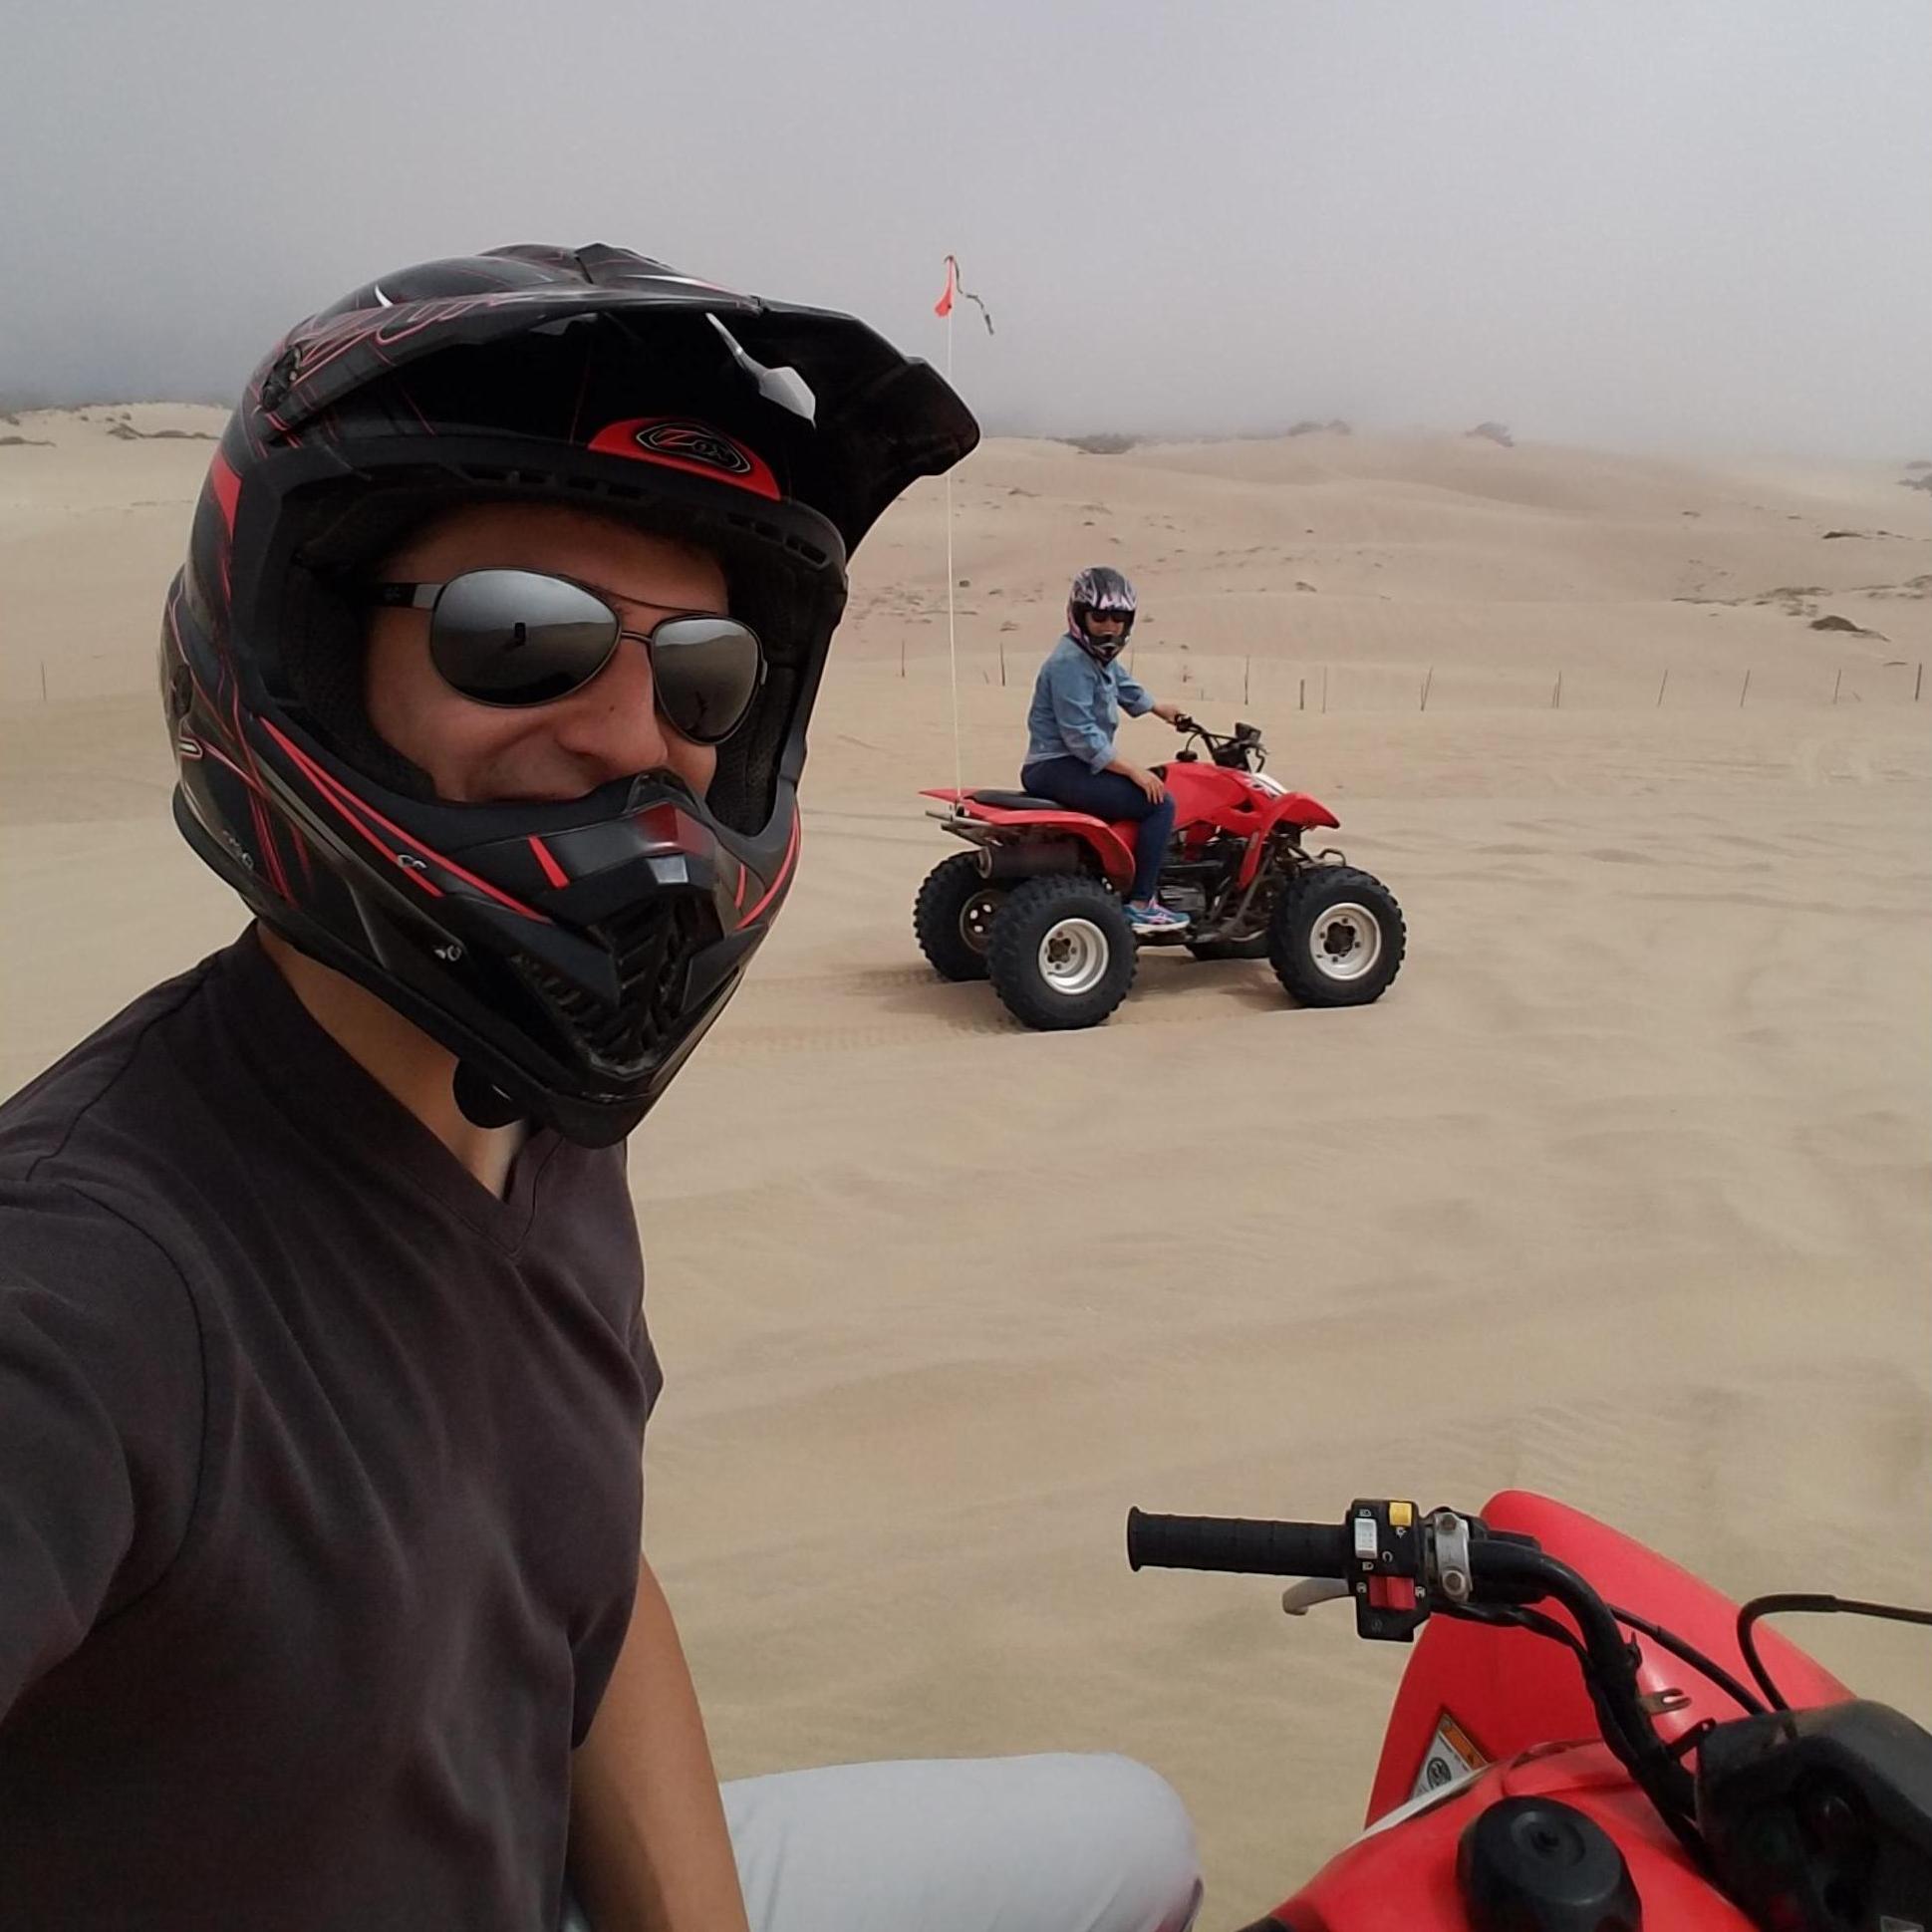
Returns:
(516,637)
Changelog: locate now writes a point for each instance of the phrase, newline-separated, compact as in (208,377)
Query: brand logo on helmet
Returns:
(696,445)
(682,442)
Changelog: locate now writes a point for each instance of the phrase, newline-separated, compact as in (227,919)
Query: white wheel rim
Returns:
(1073,956)
(1345,940)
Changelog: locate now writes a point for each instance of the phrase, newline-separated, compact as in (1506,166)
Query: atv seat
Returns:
(1014,801)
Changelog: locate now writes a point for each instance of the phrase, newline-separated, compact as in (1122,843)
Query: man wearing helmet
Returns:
(323,1362)
(1078,697)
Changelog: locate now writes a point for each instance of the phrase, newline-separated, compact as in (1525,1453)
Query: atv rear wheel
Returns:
(1255,947)
(1336,937)
(1062,954)
(952,916)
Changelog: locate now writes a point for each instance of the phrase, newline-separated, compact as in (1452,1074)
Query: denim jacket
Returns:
(1076,707)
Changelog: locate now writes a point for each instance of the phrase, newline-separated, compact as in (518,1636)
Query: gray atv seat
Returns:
(1015,801)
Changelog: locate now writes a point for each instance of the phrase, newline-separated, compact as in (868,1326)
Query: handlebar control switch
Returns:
(1386,1571)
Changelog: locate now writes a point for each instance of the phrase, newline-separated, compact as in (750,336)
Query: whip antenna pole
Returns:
(943,307)
(952,627)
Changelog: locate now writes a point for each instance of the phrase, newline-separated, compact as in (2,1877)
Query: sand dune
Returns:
(1622,1194)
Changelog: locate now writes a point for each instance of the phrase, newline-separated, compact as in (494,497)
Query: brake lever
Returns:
(1299,1598)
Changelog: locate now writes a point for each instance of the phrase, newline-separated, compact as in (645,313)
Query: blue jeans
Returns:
(1106,794)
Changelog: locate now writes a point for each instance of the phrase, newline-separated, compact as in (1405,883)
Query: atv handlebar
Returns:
(1241,751)
(1402,1565)
(1249,1548)
(1448,1562)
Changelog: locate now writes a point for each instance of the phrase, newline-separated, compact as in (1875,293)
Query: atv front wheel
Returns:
(952,916)
(1336,937)
(1062,953)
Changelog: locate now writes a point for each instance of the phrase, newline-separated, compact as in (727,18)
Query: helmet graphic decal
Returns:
(682,442)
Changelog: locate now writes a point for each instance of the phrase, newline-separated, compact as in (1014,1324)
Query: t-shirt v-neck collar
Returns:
(347,1115)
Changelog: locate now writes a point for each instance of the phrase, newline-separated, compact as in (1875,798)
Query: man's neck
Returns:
(400,1057)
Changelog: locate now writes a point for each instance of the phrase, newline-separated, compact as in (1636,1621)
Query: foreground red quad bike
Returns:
(1588,1739)
(1037,904)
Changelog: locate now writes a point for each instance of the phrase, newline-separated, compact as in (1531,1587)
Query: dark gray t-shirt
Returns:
(320,1493)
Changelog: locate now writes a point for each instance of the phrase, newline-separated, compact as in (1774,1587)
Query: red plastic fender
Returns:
(1505,1691)
(1115,852)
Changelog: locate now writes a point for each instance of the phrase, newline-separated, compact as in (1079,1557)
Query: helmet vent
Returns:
(653,946)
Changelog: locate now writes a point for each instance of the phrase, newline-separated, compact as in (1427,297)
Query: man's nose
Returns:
(613,722)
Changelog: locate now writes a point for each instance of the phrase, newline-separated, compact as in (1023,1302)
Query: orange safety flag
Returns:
(954,287)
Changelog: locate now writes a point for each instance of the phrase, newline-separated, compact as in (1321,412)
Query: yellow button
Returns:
(1401,1515)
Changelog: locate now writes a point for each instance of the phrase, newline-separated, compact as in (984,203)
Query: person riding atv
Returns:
(1070,757)
(1038,905)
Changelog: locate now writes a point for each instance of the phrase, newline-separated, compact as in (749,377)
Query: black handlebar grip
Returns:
(1253,1549)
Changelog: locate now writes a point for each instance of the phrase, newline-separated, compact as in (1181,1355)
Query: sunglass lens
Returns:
(707,671)
(513,637)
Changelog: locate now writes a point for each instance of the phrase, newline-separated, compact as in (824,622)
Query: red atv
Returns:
(1036,906)
(1562,1763)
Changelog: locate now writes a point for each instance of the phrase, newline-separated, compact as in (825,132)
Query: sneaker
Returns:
(1153,918)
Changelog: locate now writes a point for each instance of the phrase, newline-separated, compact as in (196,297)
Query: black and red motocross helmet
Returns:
(570,954)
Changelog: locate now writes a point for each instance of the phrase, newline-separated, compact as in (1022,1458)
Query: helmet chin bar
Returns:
(482,1101)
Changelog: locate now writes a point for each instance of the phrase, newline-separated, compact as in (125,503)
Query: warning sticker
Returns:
(1451,1755)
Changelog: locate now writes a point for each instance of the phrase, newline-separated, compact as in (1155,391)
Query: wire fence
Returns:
(1276,685)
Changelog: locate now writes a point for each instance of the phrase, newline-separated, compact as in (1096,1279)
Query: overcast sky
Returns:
(1641,222)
